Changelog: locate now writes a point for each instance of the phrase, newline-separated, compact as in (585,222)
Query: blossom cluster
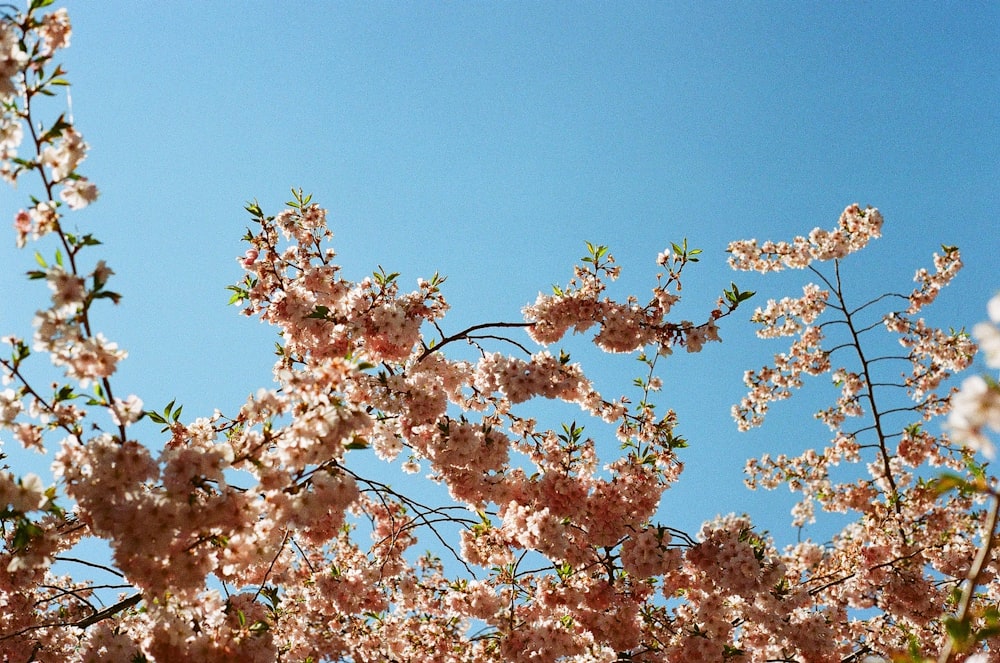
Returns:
(267,535)
(889,559)
(975,408)
(855,228)
(623,326)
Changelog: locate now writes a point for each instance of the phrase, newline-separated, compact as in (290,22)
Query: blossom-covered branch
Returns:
(288,530)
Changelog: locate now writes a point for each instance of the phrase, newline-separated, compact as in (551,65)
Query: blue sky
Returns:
(488,141)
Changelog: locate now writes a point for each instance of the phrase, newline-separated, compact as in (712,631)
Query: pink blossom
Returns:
(63,157)
(128,411)
(55,31)
(249,258)
(22,495)
(12,58)
(79,193)
(975,407)
(551,551)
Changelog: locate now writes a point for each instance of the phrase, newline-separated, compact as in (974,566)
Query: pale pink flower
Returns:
(988,334)
(11,134)
(79,193)
(30,436)
(67,289)
(55,31)
(10,407)
(695,338)
(92,359)
(249,258)
(44,219)
(974,407)
(63,157)
(12,58)
(22,495)
(128,411)
(993,309)
(22,222)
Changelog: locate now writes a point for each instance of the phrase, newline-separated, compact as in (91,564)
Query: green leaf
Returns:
(573,433)
(168,417)
(320,313)
(254,208)
(107,294)
(57,127)
(357,443)
(259,627)
(271,594)
(38,4)
(947,482)
(20,352)
(239,294)
(382,278)
(959,630)
(65,393)
(24,533)
(987,632)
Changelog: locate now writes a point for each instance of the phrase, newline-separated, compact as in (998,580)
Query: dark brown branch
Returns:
(110,611)
(102,567)
(464,334)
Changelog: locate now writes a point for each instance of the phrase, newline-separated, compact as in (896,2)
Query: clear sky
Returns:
(488,141)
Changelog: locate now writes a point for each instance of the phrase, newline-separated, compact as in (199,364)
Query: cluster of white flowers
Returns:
(12,58)
(976,405)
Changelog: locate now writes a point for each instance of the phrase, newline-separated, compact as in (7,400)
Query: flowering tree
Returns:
(255,536)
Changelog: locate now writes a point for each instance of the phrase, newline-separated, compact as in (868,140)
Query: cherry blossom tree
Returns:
(256,536)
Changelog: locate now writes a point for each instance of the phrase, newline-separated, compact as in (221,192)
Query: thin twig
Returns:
(467,331)
(124,604)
